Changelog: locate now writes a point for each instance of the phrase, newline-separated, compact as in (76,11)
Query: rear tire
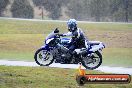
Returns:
(84,63)
(43,57)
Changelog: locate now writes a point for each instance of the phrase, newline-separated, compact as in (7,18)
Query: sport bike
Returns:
(56,50)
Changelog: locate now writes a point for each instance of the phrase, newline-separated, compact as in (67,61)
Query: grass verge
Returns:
(44,77)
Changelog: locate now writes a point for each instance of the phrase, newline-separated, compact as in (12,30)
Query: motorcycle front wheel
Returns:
(93,61)
(43,57)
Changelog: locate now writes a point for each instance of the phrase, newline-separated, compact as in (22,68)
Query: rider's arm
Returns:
(67,34)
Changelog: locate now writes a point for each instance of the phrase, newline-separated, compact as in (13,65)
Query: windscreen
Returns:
(51,35)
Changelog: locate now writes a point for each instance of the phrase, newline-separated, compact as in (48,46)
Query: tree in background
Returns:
(117,10)
(99,9)
(121,10)
(94,10)
(77,9)
(53,6)
(22,9)
(130,10)
(3,4)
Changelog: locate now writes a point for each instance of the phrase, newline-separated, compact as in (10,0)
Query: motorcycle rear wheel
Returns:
(86,64)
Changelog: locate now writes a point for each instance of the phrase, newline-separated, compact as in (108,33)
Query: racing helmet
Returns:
(72,25)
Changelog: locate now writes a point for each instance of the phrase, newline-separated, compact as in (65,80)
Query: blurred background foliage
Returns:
(88,10)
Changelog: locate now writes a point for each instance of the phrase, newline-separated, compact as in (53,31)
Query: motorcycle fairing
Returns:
(96,45)
(46,47)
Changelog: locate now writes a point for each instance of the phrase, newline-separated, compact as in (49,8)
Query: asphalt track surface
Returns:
(107,69)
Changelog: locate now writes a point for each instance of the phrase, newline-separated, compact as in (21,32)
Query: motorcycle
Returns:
(56,50)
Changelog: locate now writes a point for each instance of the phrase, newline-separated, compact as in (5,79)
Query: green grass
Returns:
(20,46)
(40,27)
(106,26)
(117,57)
(28,27)
(20,39)
(20,56)
(43,77)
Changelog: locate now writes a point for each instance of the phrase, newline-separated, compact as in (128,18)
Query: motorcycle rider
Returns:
(78,38)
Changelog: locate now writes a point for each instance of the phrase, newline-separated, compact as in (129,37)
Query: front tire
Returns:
(91,65)
(43,57)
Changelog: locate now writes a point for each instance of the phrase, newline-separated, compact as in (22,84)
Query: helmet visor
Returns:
(70,26)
